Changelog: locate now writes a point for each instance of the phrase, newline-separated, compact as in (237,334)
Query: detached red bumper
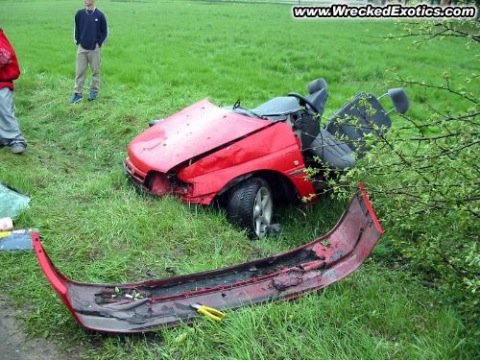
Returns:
(145,306)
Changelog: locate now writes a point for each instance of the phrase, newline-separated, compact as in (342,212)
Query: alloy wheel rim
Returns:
(262,212)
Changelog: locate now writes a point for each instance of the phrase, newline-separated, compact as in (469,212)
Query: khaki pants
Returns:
(85,58)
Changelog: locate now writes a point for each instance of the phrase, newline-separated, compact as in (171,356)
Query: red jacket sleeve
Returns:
(9,68)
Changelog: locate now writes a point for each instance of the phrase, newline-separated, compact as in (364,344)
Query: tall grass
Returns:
(160,57)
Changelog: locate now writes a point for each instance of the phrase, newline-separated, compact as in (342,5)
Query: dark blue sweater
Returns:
(90,28)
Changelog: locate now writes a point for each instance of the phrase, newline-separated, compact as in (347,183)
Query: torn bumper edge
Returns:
(147,306)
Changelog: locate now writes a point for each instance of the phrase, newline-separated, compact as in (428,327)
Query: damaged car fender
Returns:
(212,175)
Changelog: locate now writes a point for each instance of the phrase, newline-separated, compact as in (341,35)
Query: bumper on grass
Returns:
(146,306)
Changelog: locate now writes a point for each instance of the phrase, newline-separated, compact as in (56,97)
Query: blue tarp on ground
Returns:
(16,240)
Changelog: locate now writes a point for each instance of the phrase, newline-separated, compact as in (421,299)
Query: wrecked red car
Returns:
(146,306)
(249,160)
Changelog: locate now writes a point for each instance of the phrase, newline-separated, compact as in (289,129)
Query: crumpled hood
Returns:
(189,133)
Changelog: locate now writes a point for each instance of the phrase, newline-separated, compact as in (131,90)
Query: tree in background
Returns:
(425,177)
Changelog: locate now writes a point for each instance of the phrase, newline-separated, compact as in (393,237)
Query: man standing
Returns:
(90,33)
(10,134)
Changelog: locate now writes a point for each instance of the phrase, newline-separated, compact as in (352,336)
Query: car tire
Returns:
(250,206)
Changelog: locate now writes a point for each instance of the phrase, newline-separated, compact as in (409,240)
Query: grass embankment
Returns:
(160,57)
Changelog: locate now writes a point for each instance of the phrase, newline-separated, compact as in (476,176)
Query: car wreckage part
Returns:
(146,306)
(202,150)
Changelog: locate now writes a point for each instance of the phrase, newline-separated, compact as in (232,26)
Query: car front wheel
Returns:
(250,206)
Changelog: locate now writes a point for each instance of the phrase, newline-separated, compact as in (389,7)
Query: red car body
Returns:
(205,163)
(248,160)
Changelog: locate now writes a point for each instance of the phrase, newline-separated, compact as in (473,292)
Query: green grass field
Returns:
(160,57)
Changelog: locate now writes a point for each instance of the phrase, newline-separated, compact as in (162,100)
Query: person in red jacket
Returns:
(10,134)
